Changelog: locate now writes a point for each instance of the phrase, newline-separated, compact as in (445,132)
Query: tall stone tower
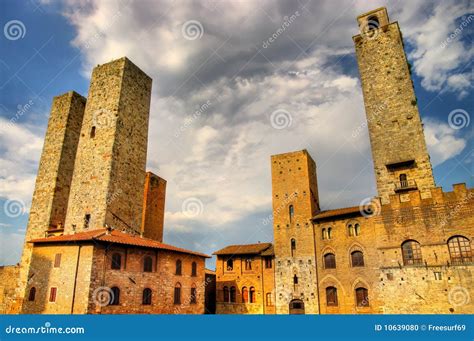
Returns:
(153,207)
(108,182)
(401,160)
(295,202)
(50,197)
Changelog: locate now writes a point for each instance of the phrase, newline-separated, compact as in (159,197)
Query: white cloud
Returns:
(442,141)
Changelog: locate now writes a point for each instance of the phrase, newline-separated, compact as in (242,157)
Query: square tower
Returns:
(154,207)
(295,202)
(109,177)
(400,157)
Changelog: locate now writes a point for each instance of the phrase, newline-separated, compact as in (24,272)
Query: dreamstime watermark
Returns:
(192,30)
(46,329)
(103,296)
(465,21)
(281,119)
(21,110)
(188,121)
(287,21)
(374,115)
(458,296)
(370,207)
(192,207)
(14,30)
(267,220)
(103,118)
(14,208)
(456,209)
(458,119)
(111,20)
(370,29)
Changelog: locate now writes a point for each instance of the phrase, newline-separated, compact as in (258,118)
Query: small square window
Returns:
(438,276)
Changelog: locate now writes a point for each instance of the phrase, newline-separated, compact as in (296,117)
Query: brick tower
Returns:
(153,207)
(108,182)
(295,202)
(55,171)
(401,160)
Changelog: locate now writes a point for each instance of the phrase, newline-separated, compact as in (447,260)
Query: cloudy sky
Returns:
(226,97)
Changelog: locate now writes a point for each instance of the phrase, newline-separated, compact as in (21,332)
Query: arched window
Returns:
(350,230)
(147,264)
(373,22)
(323,234)
(252,295)
(331,296)
(291,210)
(357,258)
(194,269)
(411,252)
(230,265)
(32,294)
(269,299)
(460,249)
(329,261)
(403,180)
(232,294)
(146,297)
(248,264)
(115,296)
(226,295)
(362,297)
(177,293)
(356,229)
(245,295)
(329,232)
(293,246)
(193,298)
(178,267)
(116,261)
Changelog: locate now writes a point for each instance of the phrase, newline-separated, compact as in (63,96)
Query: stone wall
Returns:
(154,207)
(8,282)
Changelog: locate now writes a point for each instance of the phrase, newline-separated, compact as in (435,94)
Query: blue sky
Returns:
(220,158)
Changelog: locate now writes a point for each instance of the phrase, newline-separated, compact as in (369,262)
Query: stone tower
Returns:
(401,160)
(295,202)
(55,171)
(153,207)
(108,182)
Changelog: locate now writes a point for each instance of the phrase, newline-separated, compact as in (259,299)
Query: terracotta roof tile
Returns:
(115,237)
(245,249)
(337,212)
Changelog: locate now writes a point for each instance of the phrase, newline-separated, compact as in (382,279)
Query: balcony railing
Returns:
(405,185)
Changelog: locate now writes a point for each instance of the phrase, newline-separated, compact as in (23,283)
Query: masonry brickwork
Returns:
(8,282)
(153,207)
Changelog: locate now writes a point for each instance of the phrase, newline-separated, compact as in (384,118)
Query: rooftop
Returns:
(353,210)
(114,237)
(245,249)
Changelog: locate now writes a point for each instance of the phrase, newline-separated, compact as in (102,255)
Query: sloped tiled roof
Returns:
(338,212)
(115,237)
(245,249)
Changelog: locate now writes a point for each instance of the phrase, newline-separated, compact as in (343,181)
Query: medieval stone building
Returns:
(94,241)
(408,250)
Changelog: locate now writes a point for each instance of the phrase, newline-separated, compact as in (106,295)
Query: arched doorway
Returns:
(296,307)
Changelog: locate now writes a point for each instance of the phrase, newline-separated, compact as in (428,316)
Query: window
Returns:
(362,297)
(460,249)
(329,261)
(331,296)
(356,229)
(232,294)
(329,232)
(57,260)
(293,246)
(291,210)
(52,294)
(295,279)
(438,276)
(226,295)
(92,132)
(230,265)
(194,269)
(323,234)
(268,262)
(193,299)
(245,295)
(87,220)
(373,22)
(177,293)
(248,264)
(269,299)
(178,267)
(147,264)
(350,230)
(411,252)
(32,294)
(115,296)
(357,258)
(116,261)
(252,295)
(146,299)
(403,180)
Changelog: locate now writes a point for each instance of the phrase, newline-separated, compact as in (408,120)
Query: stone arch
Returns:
(328,249)
(356,247)
(329,280)
(360,282)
